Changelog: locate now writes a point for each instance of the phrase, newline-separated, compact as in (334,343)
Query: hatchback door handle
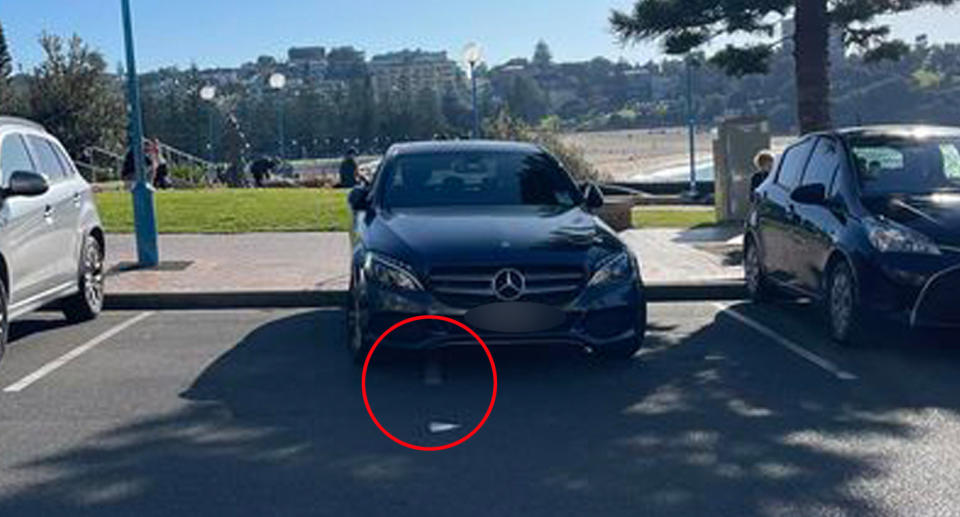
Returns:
(48,212)
(76,198)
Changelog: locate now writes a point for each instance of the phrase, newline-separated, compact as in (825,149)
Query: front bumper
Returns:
(922,291)
(596,318)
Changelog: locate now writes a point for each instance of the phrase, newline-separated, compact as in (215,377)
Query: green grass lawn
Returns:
(673,218)
(233,211)
(294,210)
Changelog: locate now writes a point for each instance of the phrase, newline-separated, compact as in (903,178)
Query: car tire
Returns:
(88,302)
(357,343)
(4,321)
(758,288)
(845,312)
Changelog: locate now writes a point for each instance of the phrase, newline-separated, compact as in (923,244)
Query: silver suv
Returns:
(51,238)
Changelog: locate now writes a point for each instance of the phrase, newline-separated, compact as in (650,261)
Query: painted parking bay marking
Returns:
(57,363)
(809,356)
(442,427)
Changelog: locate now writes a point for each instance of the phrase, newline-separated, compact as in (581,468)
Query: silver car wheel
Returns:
(752,266)
(841,302)
(93,273)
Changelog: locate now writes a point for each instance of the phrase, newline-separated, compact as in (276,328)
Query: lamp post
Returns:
(691,127)
(473,56)
(208,93)
(278,81)
(144,211)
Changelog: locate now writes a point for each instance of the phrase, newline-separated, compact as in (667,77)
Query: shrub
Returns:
(507,127)
(187,175)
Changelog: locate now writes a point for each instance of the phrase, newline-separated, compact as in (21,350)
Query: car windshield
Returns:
(892,165)
(478,179)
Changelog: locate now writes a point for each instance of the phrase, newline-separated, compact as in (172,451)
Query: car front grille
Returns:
(469,287)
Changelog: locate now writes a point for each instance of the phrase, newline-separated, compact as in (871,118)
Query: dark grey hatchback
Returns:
(866,220)
(496,235)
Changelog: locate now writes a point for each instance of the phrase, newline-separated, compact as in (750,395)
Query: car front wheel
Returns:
(88,302)
(4,321)
(757,287)
(844,308)
(357,342)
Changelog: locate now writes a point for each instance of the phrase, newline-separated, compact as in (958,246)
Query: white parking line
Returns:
(442,427)
(825,364)
(54,365)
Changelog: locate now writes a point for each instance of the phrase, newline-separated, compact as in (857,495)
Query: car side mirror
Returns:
(814,194)
(593,197)
(26,184)
(359,198)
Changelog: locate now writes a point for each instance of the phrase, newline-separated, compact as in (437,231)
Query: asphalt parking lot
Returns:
(731,409)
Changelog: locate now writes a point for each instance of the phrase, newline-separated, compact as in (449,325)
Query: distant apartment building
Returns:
(308,62)
(220,76)
(411,71)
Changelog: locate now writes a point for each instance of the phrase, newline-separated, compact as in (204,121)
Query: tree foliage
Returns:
(526,99)
(6,69)
(505,126)
(685,25)
(542,56)
(74,97)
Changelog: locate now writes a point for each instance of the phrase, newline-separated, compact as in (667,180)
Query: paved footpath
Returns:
(224,263)
(264,262)
(687,256)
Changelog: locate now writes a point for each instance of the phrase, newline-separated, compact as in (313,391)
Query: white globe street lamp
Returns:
(473,56)
(278,81)
(208,93)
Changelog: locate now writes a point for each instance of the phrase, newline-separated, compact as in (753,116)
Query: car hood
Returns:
(934,215)
(426,237)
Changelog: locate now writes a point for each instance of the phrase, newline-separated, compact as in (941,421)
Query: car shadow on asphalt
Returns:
(694,425)
(29,326)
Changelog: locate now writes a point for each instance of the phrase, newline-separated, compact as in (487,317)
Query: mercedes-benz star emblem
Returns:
(509,285)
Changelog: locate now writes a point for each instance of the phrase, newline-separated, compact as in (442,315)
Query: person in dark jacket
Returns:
(349,170)
(261,170)
(161,175)
(764,162)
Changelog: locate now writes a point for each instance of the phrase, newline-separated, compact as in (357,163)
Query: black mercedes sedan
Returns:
(496,235)
(866,220)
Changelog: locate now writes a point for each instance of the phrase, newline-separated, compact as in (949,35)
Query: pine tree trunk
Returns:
(811,57)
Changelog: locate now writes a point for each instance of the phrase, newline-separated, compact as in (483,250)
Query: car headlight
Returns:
(390,272)
(617,268)
(889,237)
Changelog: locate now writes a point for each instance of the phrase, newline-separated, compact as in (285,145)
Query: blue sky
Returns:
(229,32)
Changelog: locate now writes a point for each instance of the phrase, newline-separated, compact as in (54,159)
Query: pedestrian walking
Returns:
(349,169)
(161,173)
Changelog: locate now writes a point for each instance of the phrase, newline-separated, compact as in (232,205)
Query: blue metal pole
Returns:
(144,214)
(691,129)
(476,113)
